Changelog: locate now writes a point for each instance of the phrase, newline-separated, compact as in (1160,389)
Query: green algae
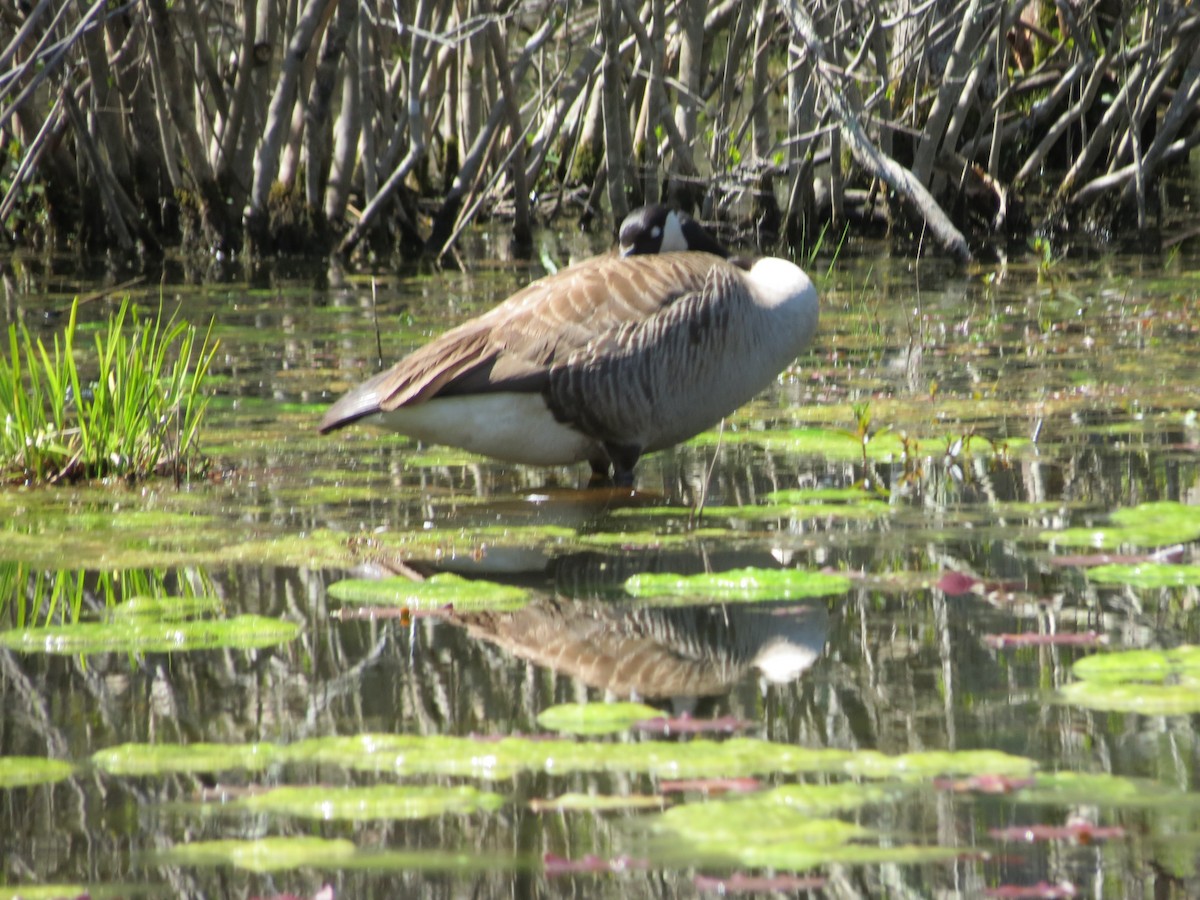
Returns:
(740,584)
(827,443)
(782,831)
(1146,699)
(166,608)
(595,718)
(435,593)
(826,799)
(847,495)
(381,801)
(1151,666)
(630,540)
(1146,575)
(1103,790)
(48,892)
(597,803)
(1155,524)
(139,635)
(271,854)
(1150,682)
(27,771)
(441,755)
(168,759)
(752,513)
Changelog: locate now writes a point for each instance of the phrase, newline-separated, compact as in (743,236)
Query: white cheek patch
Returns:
(673,239)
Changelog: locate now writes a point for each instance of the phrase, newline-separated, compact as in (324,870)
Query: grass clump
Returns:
(139,417)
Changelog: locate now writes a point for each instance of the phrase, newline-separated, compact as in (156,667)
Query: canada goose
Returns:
(614,357)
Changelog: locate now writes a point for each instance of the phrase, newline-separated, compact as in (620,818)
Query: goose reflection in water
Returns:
(656,653)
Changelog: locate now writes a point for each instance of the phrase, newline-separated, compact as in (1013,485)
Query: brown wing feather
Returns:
(512,346)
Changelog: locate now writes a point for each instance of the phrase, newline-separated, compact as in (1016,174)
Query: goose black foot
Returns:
(624,457)
(600,477)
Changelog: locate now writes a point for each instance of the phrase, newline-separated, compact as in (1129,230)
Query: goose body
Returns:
(604,361)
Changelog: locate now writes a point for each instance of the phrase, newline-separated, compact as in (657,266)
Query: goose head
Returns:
(660,229)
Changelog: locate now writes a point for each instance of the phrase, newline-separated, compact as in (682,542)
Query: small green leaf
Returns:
(595,718)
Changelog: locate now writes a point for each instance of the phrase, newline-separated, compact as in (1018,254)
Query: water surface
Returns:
(954,456)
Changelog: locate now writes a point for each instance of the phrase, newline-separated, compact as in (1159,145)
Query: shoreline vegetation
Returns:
(348,127)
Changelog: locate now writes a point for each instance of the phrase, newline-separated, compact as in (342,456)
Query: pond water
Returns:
(952,656)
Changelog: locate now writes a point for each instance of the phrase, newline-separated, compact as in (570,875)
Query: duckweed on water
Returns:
(139,636)
(508,756)
(1147,525)
(48,892)
(131,760)
(272,854)
(766,830)
(830,444)
(435,593)
(597,803)
(1150,682)
(166,609)
(26,771)
(740,584)
(595,718)
(381,801)
(279,854)
(1151,666)
(1103,790)
(1146,575)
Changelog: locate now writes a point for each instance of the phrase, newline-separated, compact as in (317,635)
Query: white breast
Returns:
(512,427)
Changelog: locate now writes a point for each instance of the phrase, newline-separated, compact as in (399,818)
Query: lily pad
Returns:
(596,803)
(1103,790)
(26,771)
(1147,525)
(435,593)
(148,636)
(741,584)
(1153,666)
(759,830)
(44,892)
(166,608)
(827,443)
(1147,699)
(272,854)
(406,754)
(166,759)
(595,718)
(381,801)
(1147,574)
(1150,682)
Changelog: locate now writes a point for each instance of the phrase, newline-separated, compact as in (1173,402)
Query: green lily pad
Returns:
(1149,666)
(166,759)
(827,443)
(741,584)
(137,635)
(1150,682)
(1104,790)
(597,803)
(1147,525)
(381,801)
(435,593)
(768,831)
(406,754)
(272,854)
(595,718)
(1146,575)
(166,608)
(26,771)
(1146,699)
(43,892)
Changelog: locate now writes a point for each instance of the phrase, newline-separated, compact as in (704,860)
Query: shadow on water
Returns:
(867,641)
